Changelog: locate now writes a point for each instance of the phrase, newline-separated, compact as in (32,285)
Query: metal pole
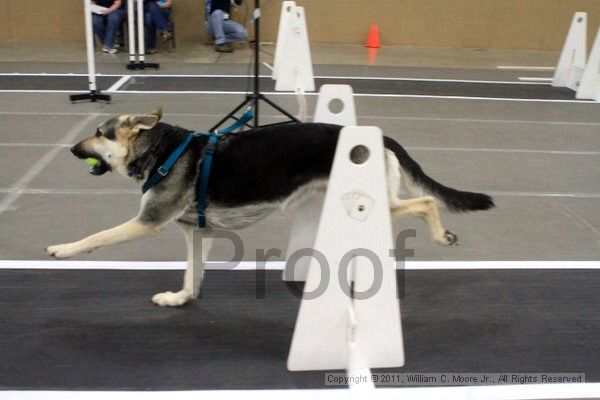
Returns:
(140,22)
(94,94)
(256,59)
(131,30)
(89,43)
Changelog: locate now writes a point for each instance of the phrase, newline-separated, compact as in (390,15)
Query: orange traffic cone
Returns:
(373,39)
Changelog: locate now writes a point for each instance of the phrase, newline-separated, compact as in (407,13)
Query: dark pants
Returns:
(106,26)
(155,18)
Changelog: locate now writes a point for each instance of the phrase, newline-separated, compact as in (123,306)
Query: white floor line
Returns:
(417,148)
(21,144)
(167,114)
(374,95)
(374,117)
(534,79)
(336,77)
(488,150)
(129,191)
(69,191)
(41,163)
(499,392)
(118,84)
(367,78)
(484,121)
(278,265)
(43,91)
(525,68)
(542,194)
(471,98)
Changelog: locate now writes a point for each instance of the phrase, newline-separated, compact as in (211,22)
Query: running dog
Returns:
(254,173)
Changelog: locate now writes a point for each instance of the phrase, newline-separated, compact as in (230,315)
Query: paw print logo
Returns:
(358,204)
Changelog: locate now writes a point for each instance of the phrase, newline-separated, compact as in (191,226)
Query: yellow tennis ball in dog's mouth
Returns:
(92,162)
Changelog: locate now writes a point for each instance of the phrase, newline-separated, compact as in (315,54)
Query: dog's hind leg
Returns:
(422,207)
(194,272)
(426,209)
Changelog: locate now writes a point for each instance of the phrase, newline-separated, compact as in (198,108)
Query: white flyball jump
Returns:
(572,60)
(292,68)
(589,87)
(574,69)
(306,213)
(339,327)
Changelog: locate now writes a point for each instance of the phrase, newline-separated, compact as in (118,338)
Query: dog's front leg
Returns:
(194,272)
(131,230)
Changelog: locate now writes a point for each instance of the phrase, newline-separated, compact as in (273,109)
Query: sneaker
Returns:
(108,50)
(224,48)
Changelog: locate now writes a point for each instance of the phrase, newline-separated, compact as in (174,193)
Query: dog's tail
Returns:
(418,184)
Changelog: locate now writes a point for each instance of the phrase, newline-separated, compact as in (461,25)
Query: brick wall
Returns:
(501,24)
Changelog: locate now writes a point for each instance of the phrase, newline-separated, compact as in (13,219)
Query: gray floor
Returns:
(540,160)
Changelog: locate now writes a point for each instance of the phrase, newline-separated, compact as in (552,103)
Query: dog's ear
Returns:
(142,122)
(157,111)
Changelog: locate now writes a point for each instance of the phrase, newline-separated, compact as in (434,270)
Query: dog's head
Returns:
(113,142)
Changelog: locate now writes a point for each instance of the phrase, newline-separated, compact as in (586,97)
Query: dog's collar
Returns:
(139,166)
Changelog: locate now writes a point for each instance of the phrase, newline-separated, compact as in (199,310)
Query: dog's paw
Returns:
(170,299)
(62,251)
(448,239)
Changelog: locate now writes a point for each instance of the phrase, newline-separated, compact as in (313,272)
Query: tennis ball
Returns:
(92,162)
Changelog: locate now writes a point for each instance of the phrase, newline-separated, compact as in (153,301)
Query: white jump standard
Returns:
(140,62)
(94,94)
(575,70)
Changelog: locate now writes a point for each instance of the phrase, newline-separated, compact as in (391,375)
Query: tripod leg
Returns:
(281,110)
(222,121)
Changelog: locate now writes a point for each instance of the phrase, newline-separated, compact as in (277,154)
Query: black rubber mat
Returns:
(366,86)
(98,329)
(54,82)
(236,84)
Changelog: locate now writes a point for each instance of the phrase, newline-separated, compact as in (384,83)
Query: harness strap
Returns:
(211,147)
(164,169)
(209,151)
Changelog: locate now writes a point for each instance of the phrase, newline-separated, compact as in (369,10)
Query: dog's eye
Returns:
(98,133)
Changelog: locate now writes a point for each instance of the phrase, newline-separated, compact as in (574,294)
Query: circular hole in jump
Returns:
(359,154)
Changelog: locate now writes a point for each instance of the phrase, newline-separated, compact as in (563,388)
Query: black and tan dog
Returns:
(253,174)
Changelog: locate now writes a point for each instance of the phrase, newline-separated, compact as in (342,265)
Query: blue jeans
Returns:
(106,26)
(155,18)
(224,30)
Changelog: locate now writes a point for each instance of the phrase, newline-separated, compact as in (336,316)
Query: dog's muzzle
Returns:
(82,154)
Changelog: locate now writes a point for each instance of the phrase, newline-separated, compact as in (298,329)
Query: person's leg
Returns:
(150,30)
(234,31)
(114,20)
(158,18)
(99,27)
(215,26)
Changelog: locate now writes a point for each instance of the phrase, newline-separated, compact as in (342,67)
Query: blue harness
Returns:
(209,151)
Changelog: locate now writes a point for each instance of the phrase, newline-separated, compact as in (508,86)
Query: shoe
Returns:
(109,50)
(224,48)
(151,51)
(166,36)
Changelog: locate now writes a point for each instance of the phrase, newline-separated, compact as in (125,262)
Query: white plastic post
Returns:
(337,330)
(329,93)
(294,64)
(140,26)
(287,7)
(306,214)
(89,44)
(572,60)
(590,82)
(131,29)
